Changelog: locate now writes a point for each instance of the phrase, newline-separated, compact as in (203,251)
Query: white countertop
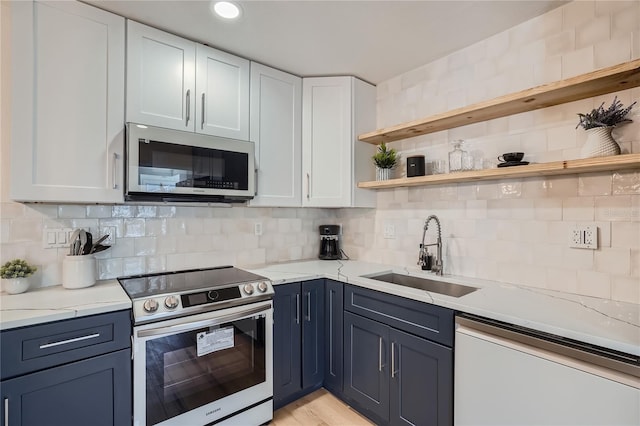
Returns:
(601,322)
(58,303)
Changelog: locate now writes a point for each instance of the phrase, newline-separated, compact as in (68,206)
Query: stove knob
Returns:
(262,287)
(150,305)
(171,302)
(248,289)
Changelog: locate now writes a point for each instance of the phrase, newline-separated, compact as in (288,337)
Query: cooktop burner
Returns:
(173,294)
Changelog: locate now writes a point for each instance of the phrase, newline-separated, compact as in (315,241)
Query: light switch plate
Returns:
(56,237)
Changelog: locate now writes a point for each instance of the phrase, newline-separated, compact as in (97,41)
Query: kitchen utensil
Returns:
(98,248)
(86,248)
(97,243)
(509,157)
(72,242)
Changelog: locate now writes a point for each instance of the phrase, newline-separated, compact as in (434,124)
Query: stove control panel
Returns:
(170,305)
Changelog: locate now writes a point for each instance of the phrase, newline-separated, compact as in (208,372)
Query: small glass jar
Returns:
(458,158)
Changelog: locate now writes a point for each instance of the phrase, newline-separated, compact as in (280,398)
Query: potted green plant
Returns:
(598,124)
(385,159)
(15,275)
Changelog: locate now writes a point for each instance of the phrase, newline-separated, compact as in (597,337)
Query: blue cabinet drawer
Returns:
(421,319)
(27,349)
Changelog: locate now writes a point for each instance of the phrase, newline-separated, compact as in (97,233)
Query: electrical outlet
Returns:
(257,228)
(111,230)
(584,236)
(389,231)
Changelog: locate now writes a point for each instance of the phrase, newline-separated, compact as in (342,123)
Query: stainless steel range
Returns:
(202,347)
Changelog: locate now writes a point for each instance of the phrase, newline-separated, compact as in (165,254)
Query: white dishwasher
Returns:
(507,375)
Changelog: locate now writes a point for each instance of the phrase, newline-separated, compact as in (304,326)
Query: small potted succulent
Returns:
(598,124)
(385,159)
(15,276)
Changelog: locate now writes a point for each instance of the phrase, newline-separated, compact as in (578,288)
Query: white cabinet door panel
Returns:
(222,86)
(276,119)
(68,103)
(160,78)
(334,111)
(327,131)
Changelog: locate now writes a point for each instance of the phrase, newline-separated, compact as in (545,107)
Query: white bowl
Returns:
(15,285)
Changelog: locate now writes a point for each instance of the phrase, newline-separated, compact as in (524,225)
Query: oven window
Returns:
(163,166)
(188,370)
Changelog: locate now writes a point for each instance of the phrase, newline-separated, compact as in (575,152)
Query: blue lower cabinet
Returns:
(333,332)
(394,377)
(421,381)
(94,391)
(287,338)
(298,340)
(366,366)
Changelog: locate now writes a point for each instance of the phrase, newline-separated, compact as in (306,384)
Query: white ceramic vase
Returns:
(15,285)
(599,143)
(383,174)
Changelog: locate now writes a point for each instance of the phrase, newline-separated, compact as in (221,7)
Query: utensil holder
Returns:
(78,271)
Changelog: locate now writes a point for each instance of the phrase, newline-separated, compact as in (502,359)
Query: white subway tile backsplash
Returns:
(593,184)
(612,52)
(578,62)
(596,284)
(613,261)
(133,228)
(625,289)
(71,211)
(578,208)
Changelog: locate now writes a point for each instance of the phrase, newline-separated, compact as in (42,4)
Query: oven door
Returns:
(202,368)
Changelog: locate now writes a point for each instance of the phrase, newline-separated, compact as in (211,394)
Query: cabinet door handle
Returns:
(66,342)
(297,308)
(380,354)
(188,98)
(6,412)
(308,316)
(202,120)
(308,186)
(114,178)
(393,359)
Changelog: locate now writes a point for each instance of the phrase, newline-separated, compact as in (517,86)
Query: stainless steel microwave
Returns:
(172,165)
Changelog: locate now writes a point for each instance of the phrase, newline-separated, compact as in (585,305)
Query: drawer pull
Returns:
(64,342)
(6,412)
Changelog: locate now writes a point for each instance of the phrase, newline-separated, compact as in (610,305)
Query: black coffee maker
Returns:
(329,242)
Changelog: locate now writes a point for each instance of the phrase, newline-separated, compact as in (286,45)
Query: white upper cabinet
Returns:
(334,111)
(276,120)
(67,112)
(161,85)
(222,87)
(178,84)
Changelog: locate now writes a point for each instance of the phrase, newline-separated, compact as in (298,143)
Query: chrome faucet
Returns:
(422,255)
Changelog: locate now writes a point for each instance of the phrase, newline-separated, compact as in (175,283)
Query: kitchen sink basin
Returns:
(448,289)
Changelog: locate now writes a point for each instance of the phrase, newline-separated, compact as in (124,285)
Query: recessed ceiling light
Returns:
(226,9)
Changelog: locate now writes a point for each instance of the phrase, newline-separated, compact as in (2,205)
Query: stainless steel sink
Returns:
(448,289)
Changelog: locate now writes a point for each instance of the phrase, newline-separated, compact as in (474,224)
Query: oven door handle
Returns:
(187,325)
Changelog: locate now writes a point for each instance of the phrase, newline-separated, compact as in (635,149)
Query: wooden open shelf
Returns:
(587,165)
(607,80)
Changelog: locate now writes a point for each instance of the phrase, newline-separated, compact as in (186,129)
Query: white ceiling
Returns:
(374,40)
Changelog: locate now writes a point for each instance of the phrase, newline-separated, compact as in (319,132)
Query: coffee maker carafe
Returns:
(329,242)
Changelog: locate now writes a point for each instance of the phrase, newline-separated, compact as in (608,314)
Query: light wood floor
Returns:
(319,408)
